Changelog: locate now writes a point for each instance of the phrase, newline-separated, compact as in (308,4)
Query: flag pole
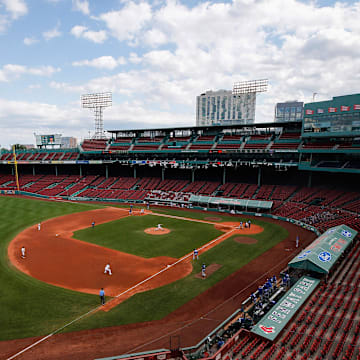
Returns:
(16,170)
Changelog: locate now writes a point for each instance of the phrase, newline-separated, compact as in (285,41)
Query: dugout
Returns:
(321,256)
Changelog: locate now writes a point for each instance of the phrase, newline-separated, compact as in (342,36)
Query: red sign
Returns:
(345,108)
(332,109)
(320,111)
(309,112)
(357,107)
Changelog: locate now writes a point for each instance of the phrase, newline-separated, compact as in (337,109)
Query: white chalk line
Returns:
(129,289)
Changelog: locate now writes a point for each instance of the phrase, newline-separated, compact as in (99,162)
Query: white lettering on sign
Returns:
(272,318)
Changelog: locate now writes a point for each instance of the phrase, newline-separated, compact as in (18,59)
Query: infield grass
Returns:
(127,235)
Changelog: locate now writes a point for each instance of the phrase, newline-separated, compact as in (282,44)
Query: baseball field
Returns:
(154,274)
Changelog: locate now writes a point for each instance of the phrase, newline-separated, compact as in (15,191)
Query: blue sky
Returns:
(156,57)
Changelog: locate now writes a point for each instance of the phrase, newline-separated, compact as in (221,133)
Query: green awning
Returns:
(254,204)
(322,254)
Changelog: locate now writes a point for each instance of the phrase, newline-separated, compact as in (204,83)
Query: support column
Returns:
(134,172)
(163,174)
(34,173)
(12,171)
(259,176)
(224,176)
(310,179)
(56,170)
(80,170)
(106,171)
(192,175)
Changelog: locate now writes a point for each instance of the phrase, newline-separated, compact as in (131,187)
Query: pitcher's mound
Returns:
(245,240)
(156,231)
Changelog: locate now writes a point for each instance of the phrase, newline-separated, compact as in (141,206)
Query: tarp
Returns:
(231,202)
(322,254)
(276,319)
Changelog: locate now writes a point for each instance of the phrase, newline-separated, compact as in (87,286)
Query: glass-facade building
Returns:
(223,108)
(289,111)
(337,117)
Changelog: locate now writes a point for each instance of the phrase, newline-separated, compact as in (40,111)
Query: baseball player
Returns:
(102,296)
(196,254)
(107,269)
(39,226)
(142,211)
(297,241)
(23,252)
(93,224)
(159,227)
(203,271)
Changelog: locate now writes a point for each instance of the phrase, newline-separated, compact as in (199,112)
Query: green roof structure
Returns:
(254,204)
(321,255)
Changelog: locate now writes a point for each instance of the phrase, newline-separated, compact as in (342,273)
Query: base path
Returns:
(53,256)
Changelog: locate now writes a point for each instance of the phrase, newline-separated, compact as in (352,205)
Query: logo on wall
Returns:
(332,109)
(346,233)
(330,231)
(309,112)
(304,254)
(345,108)
(357,107)
(320,111)
(324,256)
(267,329)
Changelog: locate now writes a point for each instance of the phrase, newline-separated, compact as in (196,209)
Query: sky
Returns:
(157,56)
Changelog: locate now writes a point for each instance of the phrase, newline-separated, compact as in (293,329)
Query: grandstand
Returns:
(308,177)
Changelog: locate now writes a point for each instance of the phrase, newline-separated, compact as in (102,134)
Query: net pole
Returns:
(16,170)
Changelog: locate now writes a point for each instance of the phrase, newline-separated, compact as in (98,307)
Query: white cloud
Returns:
(82,32)
(13,71)
(126,23)
(16,8)
(82,6)
(52,33)
(30,40)
(103,62)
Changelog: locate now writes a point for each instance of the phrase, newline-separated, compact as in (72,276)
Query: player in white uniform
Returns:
(196,254)
(39,226)
(107,269)
(159,227)
(23,252)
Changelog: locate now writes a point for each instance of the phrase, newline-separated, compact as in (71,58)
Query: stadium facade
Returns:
(289,111)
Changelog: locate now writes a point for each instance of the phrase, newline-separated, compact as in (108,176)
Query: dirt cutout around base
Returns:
(245,240)
(157,231)
(234,226)
(209,270)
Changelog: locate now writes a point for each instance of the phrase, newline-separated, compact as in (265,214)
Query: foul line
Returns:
(129,289)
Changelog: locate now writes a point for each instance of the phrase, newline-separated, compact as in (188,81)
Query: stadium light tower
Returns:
(251,86)
(97,102)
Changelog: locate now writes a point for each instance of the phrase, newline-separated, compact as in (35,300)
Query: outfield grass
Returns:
(157,303)
(127,235)
(29,307)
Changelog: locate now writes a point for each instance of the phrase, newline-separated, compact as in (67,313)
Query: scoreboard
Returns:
(44,140)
